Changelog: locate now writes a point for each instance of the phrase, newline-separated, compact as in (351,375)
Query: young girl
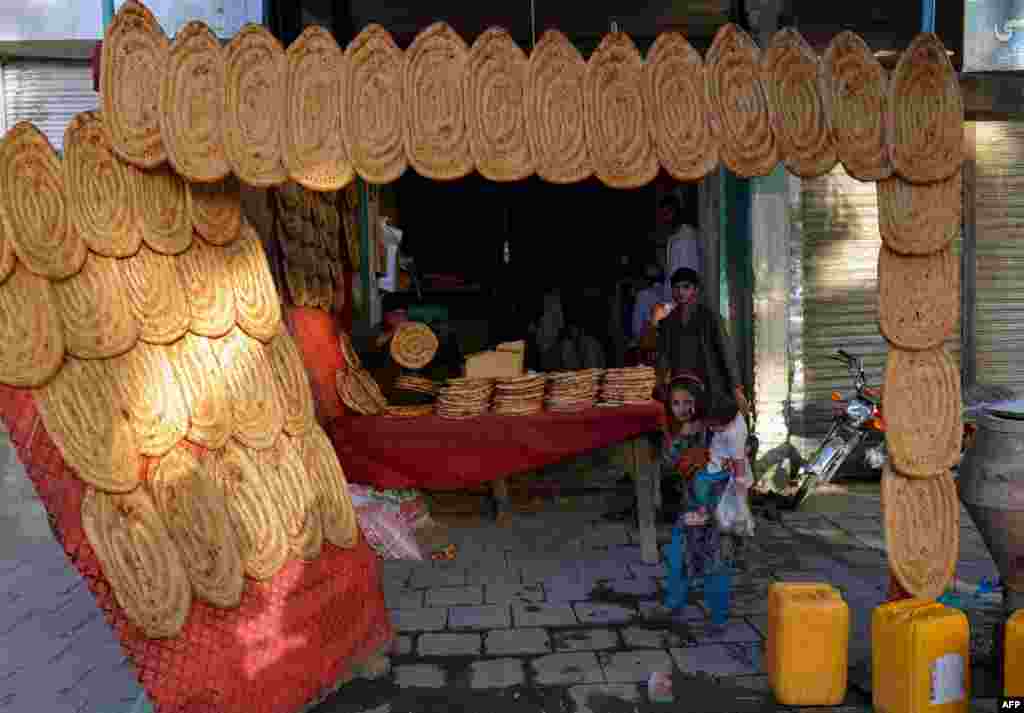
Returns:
(699,550)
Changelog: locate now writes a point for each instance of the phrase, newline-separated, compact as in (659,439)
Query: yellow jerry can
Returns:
(1013,656)
(920,658)
(808,644)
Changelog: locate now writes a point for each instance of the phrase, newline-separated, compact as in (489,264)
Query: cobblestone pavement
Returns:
(552,613)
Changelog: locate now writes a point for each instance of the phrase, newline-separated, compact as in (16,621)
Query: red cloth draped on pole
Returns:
(290,641)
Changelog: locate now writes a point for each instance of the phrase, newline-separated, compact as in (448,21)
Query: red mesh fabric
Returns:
(434,453)
(316,336)
(291,640)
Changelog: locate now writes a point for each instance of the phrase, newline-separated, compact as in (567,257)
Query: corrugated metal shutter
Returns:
(999,201)
(47,93)
(835,297)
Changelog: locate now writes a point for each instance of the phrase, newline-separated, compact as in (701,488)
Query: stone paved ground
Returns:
(552,614)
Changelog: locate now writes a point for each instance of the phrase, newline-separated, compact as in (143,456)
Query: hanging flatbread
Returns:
(859,96)
(921,403)
(206,277)
(196,515)
(32,341)
(618,135)
(436,128)
(83,413)
(341,528)
(192,105)
(919,218)
(373,109)
(296,497)
(413,345)
(205,390)
(314,149)
(139,559)
(798,102)
(677,108)
(918,297)
(922,531)
(253,512)
(555,119)
(348,351)
(165,208)
(254,104)
(134,59)
(496,107)
(155,296)
(7,257)
(94,309)
(293,381)
(217,211)
(34,207)
(100,200)
(926,113)
(739,109)
(257,307)
(252,389)
(152,397)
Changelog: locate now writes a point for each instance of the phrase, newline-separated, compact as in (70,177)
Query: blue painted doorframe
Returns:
(737,272)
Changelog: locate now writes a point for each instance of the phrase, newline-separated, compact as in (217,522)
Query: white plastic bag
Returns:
(733,515)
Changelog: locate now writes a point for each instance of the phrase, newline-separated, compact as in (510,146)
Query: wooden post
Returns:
(502,502)
(645,485)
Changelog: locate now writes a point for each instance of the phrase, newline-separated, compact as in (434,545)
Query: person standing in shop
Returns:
(644,344)
(683,248)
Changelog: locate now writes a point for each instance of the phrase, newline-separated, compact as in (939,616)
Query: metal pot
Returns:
(992,488)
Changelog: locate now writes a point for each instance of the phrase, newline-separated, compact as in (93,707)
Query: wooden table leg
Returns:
(502,502)
(644,479)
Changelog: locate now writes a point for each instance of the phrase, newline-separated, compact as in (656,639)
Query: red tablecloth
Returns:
(433,453)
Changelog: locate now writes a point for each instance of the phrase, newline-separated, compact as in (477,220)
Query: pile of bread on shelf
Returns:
(320,114)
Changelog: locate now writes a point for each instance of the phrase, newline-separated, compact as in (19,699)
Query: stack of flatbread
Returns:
(573,390)
(361,392)
(519,395)
(631,385)
(464,398)
(417,384)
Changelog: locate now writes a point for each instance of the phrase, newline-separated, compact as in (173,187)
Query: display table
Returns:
(434,453)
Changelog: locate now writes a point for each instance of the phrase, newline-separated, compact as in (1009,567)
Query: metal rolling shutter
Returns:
(999,201)
(47,93)
(834,300)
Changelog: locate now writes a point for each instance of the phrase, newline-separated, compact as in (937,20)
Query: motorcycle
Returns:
(855,420)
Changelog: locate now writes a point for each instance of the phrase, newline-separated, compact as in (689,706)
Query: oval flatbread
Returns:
(253,108)
(33,204)
(555,120)
(293,381)
(341,528)
(253,511)
(373,109)
(496,107)
(296,496)
(82,411)
(252,390)
(314,149)
(94,310)
(206,277)
(192,105)
(152,396)
(921,403)
(677,108)
(165,209)
(155,296)
(217,211)
(739,109)
(32,339)
(196,515)
(413,345)
(140,560)
(918,297)
(798,102)
(436,128)
(613,105)
(133,61)
(204,389)
(348,352)
(922,531)
(917,218)
(257,307)
(926,113)
(100,200)
(859,96)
